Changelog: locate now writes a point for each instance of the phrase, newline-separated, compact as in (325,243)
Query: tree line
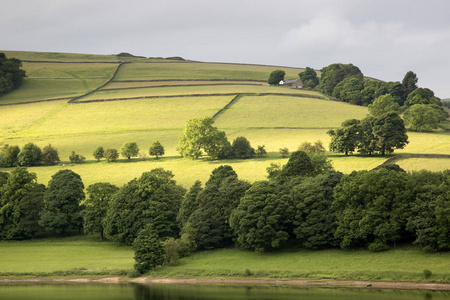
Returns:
(304,203)
(11,74)
(421,109)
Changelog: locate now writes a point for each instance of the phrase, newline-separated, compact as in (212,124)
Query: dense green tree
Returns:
(263,218)
(96,206)
(321,164)
(200,135)
(21,202)
(275,77)
(30,155)
(148,250)
(99,153)
(309,78)
(349,90)
(189,204)
(129,149)
(370,209)
(11,74)
(3,178)
(216,201)
(242,148)
(49,155)
(390,133)
(422,96)
(154,198)
(111,155)
(76,158)
(299,164)
(156,149)
(315,221)
(345,139)
(382,105)
(9,156)
(429,218)
(367,140)
(421,117)
(62,199)
(409,82)
(335,73)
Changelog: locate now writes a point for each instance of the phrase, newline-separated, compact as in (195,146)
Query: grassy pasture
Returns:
(64,254)
(144,84)
(55,80)
(53,56)
(399,264)
(431,164)
(192,70)
(188,90)
(285,111)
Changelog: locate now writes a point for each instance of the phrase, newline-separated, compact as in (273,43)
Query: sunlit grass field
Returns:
(85,255)
(196,70)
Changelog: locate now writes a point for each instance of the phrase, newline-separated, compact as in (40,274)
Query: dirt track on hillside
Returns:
(328,283)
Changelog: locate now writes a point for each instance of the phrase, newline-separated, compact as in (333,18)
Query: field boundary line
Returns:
(70,62)
(178,85)
(74,100)
(215,79)
(37,101)
(227,106)
(406,156)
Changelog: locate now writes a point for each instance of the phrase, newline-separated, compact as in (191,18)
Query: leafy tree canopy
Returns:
(49,155)
(421,117)
(148,250)
(30,155)
(382,105)
(156,149)
(335,73)
(409,82)
(9,156)
(309,78)
(11,74)
(99,153)
(275,77)
(111,155)
(129,149)
(242,148)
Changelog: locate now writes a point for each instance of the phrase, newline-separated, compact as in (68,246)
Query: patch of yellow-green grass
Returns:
(431,164)
(194,70)
(189,90)
(54,56)
(437,142)
(118,116)
(398,264)
(143,84)
(15,118)
(84,253)
(285,111)
(55,80)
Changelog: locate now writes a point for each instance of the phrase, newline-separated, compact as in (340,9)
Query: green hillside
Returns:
(77,102)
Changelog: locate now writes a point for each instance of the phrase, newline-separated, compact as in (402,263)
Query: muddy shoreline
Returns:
(323,283)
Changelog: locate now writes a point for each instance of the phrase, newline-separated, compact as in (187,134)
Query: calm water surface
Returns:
(71,291)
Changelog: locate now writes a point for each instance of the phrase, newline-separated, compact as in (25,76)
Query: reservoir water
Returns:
(129,291)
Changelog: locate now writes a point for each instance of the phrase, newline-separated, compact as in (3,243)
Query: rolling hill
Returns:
(77,102)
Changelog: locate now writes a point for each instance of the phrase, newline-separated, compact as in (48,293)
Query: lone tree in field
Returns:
(200,135)
(156,149)
(129,149)
(62,213)
(49,155)
(100,194)
(98,153)
(275,77)
(111,155)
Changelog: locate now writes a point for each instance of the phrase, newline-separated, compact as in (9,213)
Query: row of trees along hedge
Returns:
(200,136)
(300,204)
(29,155)
(11,74)
(423,111)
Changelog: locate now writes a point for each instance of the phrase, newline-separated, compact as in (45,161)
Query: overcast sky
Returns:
(384,38)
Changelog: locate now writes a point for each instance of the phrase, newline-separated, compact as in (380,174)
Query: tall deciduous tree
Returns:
(154,198)
(99,153)
(129,149)
(334,74)
(148,250)
(346,138)
(111,155)
(382,105)
(62,213)
(409,82)
(49,155)
(11,74)
(275,77)
(200,135)
(21,202)
(242,148)
(9,156)
(390,132)
(30,155)
(96,206)
(263,218)
(309,78)
(299,164)
(156,149)
(421,117)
